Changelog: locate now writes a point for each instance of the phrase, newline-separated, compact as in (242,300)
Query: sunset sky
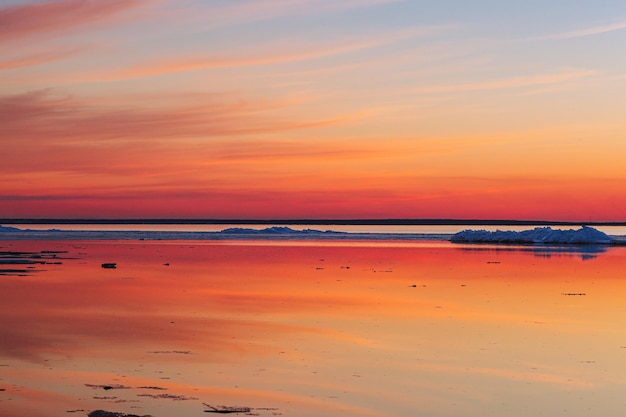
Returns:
(267,109)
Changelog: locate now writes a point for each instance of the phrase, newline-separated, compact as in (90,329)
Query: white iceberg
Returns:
(547,235)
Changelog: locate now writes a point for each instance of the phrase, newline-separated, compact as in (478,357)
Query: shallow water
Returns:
(313,329)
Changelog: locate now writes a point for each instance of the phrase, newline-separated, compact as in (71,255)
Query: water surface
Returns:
(313,329)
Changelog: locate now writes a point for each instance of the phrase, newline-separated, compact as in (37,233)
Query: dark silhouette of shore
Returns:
(356,222)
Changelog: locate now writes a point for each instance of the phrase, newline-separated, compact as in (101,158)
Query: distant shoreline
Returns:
(216,236)
(348,222)
(541,235)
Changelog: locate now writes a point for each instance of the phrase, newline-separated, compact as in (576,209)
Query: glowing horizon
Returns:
(302,109)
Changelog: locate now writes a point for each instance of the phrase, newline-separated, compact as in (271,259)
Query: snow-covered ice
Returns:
(584,235)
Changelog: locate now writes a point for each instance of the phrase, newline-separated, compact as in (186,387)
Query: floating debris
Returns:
(108,387)
(109,265)
(223,409)
(168,397)
(102,413)
(573,293)
(28,260)
(14,272)
(177,352)
(18,261)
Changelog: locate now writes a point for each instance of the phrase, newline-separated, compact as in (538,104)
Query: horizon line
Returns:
(387,221)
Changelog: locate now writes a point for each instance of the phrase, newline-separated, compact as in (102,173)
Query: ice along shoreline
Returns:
(540,235)
(235,233)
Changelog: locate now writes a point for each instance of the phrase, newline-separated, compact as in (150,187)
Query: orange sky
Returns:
(312,109)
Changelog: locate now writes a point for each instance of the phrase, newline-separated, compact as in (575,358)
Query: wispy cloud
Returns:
(38,19)
(516,82)
(250,11)
(77,144)
(191,63)
(42,115)
(595,30)
(267,57)
(37,58)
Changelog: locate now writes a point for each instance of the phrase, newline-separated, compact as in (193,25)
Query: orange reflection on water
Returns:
(313,328)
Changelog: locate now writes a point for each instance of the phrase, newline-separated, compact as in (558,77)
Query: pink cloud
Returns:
(37,58)
(517,82)
(270,55)
(268,9)
(67,136)
(42,116)
(53,16)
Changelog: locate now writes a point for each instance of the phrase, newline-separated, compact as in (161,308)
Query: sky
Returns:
(313,109)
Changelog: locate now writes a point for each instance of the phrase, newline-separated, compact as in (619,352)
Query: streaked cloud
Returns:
(38,19)
(250,11)
(44,115)
(186,138)
(516,82)
(590,31)
(37,58)
(267,56)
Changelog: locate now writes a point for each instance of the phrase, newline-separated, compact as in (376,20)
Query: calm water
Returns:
(313,329)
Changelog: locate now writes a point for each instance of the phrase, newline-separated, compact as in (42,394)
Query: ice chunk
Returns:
(584,235)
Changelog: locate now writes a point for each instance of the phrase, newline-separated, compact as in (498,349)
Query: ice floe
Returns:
(546,235)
